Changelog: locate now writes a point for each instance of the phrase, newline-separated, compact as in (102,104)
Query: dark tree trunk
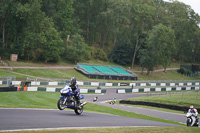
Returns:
(136,46)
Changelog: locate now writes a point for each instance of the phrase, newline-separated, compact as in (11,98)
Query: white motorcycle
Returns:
(192,120)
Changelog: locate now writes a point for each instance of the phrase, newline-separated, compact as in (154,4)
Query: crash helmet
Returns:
(191,107)
(73,80)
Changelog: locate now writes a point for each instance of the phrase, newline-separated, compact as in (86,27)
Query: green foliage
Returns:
(186,72)
(160,46)
(62,13)
(38,30)
(121,53)
(53,47)
(9,26)
(181,70)
(76,49)
(41,41)
(184,22)
(147,59)
(98,53)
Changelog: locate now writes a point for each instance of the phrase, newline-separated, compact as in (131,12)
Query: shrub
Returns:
(182,70)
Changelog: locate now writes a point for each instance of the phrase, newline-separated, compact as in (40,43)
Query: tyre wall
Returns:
(158,105)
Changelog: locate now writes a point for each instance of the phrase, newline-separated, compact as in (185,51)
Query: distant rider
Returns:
(193,111)
(74,86)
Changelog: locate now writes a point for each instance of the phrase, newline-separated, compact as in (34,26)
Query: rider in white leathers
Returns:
(194,112)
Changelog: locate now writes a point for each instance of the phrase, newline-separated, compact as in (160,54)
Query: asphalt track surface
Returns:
(21,119)
(111,93)
(26,119)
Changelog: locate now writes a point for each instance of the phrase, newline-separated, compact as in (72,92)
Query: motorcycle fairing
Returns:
(193,120)
(81,96)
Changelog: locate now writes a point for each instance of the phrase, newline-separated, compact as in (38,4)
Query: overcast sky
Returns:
(195,4)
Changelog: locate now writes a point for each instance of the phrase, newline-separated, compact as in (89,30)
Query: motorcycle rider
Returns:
(74,86)
(194,112)
(113,101)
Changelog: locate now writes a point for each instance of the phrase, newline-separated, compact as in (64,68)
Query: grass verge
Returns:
(169,75)
(39,64)
(123,130)
(8,72)
(59,74)
(180,99)
(68,73)
(49,100)
(155,108)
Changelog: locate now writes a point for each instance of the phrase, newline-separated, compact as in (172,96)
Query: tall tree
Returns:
(147,59)
(39,37)
(9,25)
(53,46)
(92,20)
(121,53)
(143,12)
(61,11)
(35,28)
(77,49)
(184,21)
(162,44)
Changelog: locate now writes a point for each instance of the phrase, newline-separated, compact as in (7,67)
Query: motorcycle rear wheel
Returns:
(196,125)
(60,104)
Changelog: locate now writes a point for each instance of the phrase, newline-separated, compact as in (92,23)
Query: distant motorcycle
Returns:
(95,99)
(191,120)
(113,101)
(68,100)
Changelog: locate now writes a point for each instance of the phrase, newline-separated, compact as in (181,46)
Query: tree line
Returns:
(127,32)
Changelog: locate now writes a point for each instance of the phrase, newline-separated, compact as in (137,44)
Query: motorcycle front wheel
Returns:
(78,109)
(188,122)
(60,104)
